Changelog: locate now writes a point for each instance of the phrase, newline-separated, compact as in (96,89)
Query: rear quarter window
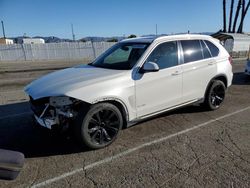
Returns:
(213,49)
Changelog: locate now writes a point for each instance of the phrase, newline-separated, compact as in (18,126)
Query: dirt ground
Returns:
(188,147)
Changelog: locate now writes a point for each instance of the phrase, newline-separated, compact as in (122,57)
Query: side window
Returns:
(213,49)
(206,53)
(165,55)
(191,50)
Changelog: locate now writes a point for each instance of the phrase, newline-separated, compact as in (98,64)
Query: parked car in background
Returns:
(133,80)
(247,70)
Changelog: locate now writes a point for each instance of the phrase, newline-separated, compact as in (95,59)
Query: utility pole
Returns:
(3,30)
(240,29)
(224,17)
(73,35)
(231,17)
(236,15)
(156,30)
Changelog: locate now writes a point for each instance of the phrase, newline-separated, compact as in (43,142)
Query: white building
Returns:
(234,42)
(6,41)
(33,41)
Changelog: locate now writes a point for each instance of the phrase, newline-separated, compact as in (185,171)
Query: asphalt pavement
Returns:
(189,147)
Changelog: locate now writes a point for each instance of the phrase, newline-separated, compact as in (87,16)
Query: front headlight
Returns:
(60,101)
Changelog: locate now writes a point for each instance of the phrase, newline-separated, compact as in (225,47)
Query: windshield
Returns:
(122,56)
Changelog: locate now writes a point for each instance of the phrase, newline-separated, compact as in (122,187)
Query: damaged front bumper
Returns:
(55,111)
(48,123)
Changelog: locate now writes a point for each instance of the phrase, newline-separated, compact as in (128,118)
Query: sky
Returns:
(110,17)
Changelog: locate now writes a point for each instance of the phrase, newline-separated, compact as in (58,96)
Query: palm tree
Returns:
(231,16)
(236,15)
(224,17)
(242,16)
(244,12)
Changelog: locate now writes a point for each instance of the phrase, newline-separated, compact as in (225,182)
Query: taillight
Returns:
(230,59)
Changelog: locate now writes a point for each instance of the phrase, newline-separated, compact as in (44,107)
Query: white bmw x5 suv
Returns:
(133,80)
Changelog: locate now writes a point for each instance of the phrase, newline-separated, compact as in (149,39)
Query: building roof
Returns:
(236,36)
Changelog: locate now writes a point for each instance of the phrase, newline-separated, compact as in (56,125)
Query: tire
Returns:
(99,126)
(215,95)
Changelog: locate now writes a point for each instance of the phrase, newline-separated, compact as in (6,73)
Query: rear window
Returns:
(206,53)
(192,50)
(213,49)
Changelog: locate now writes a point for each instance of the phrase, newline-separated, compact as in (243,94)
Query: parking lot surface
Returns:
(189,147)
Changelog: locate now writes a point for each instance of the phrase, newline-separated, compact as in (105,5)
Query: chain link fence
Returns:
(52,51)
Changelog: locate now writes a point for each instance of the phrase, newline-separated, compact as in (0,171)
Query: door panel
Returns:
(156,91)
(196,77)
(198,68)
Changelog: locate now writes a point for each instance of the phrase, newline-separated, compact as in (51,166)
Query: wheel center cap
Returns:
(102,124)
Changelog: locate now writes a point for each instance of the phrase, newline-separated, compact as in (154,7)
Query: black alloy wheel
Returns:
(100,126)
(215,95)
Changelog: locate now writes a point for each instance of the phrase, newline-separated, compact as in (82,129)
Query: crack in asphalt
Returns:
(185,169)
(36,173)
(90,178)
(192,149)
(231,151)
(233,142)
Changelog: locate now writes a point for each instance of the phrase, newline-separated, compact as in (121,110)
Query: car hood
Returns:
(61,82)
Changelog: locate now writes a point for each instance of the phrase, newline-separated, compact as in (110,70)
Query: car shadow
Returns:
(195,108)
(240,78)
(20,133)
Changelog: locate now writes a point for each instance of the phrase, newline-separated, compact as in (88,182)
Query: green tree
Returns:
(82,40)
(131,36)
(112,40)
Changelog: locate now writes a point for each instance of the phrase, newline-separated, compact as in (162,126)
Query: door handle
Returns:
(210,63)
(175,73)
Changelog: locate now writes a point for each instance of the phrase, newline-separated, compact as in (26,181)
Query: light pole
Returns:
(156,30)
(3,30)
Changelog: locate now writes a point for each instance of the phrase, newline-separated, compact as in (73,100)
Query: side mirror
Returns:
(11,163)
(149,67)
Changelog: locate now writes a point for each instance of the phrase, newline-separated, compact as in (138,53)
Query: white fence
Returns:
(52,51)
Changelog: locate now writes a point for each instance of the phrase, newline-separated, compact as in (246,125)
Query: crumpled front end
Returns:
(52,112)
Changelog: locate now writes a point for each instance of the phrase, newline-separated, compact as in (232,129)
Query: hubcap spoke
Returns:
(106,135)
(98,117)
(94,121)
(93,138)
(219,98)
(112,129)
(101,136)
(213,100)
(111,115)
(92,130)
